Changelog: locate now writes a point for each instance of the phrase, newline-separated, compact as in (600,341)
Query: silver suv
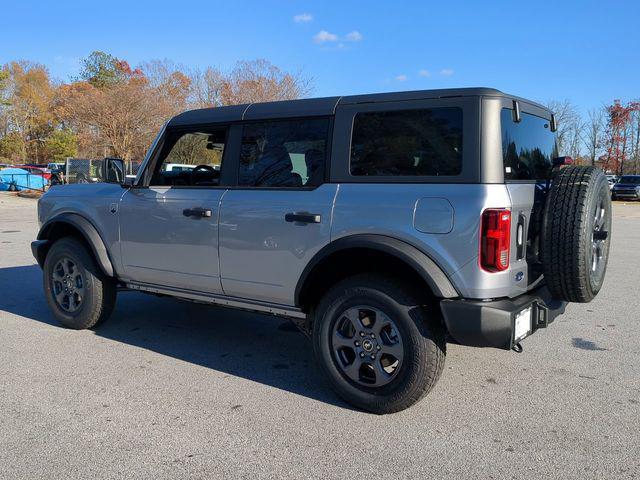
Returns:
(383,225)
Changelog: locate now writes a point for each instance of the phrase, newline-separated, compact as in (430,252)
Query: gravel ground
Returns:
(167,389)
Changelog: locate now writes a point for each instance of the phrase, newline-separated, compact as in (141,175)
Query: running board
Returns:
(233,302)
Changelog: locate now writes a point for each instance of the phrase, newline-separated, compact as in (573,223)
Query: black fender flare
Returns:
(432,274)
(88,231)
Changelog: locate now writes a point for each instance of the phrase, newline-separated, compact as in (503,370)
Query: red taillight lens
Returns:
(495,239)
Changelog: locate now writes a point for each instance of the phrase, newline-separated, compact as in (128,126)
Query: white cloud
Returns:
(401,78)
(354,36)
(324,36)
(447,72)
(424,73)
(303,18)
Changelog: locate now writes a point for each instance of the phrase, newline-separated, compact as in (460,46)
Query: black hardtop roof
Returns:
(321,106)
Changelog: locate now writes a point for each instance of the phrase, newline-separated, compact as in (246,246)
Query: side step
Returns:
(233,302)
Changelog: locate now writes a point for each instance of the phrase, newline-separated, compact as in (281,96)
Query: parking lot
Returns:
(169,389)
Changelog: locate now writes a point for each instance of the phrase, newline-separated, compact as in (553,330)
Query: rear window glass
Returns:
(528,147)
(407,142)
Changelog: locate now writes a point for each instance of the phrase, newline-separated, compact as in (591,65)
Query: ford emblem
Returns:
(519,276)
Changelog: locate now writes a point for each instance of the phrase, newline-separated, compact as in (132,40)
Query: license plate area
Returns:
(523,323)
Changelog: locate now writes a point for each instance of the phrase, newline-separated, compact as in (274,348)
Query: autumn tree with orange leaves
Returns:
(621,134)
(112,109)
(117,110)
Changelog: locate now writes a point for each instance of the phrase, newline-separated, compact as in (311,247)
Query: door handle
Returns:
(197,212)
(302,217)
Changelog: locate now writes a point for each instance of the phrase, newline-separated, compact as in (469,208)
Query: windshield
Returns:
(630,179)
(528,147)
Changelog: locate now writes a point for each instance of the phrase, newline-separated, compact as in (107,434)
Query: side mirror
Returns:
(113,170)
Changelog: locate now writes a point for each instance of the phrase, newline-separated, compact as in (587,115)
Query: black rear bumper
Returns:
(480,323)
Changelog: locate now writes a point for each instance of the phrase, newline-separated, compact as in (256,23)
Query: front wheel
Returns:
(78,293)
(381,347)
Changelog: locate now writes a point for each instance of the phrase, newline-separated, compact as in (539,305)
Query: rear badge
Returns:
(519,276)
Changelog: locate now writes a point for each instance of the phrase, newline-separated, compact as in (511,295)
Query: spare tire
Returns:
(576,233)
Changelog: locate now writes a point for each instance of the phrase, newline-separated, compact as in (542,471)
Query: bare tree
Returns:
(248,82)
(635,137)
(569,127)
(261,81)
(169,82)
(206,88)
(593,133)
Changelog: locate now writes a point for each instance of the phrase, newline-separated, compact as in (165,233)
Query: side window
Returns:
(284,153)
(407,142)
(528,147)
(191,158)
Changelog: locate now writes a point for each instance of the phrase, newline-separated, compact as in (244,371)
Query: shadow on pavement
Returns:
(260,348)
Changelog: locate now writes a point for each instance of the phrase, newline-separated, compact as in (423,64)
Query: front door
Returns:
(169,228)
(279,216)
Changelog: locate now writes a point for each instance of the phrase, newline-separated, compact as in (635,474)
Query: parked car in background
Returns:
(627,188)
(612,179)
(55,166)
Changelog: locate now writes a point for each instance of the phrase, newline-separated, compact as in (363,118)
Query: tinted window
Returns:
(287,153)
(528,147)
(407,142)
(191,159)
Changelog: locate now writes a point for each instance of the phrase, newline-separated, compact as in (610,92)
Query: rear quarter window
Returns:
(418,142)
(528,147)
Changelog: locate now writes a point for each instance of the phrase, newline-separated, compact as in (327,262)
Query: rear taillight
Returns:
(495,238)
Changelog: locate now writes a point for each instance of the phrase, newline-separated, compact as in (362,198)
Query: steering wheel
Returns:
(207,168)
(201,168)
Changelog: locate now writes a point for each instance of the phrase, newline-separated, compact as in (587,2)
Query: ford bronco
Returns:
(383,225)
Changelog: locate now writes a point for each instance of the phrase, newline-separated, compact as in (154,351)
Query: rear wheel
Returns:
(78,293)
(381,347)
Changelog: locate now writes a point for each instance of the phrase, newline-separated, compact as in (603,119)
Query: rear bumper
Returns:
(480,323)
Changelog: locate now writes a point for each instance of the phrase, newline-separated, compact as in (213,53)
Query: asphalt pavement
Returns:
(169,389)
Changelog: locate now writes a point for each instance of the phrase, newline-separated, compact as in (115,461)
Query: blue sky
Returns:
(585,51)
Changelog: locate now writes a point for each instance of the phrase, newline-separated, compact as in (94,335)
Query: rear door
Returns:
(169,227)
(279,215)
(528,150)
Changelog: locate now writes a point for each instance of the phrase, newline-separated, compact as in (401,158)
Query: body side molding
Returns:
(87,230)
(419,261)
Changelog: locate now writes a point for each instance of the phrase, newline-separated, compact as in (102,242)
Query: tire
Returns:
(82,303)
(395,308)
(576,234)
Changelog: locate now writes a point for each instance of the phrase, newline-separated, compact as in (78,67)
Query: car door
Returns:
(279,215)
(169,226)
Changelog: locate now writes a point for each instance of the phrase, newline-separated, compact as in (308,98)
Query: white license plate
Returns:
(523,324)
